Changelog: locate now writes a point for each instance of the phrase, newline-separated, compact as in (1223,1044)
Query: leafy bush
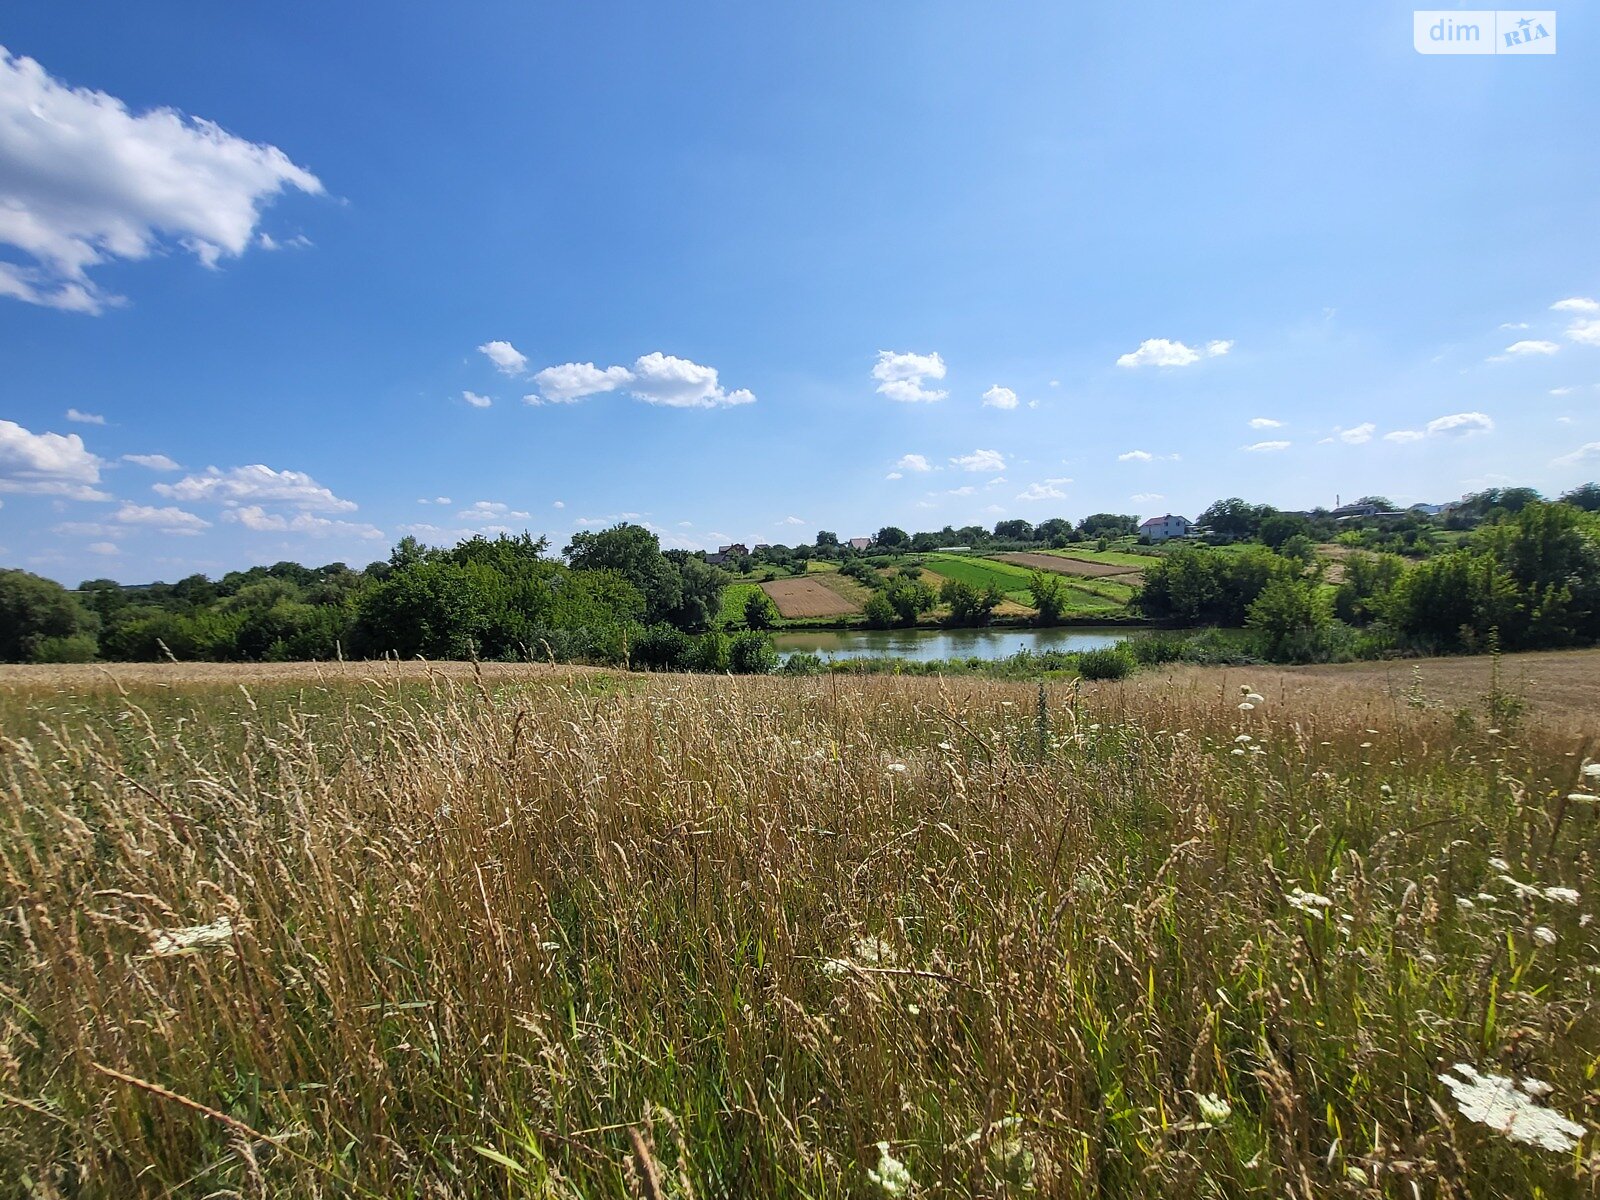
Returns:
(803,662)
(751,653)
(1109,662)
(74,648)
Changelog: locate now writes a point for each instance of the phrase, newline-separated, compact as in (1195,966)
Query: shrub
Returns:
(711,653)
(803,662)
(662,648)
(751,653)
(1109,662)
(74,648)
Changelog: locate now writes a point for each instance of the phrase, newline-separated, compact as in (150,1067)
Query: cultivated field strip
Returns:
(806,597)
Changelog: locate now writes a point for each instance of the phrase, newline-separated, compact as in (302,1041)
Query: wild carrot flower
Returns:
(1509,1108)
(1246,706)
(890,1174)
(1544,934)
(1214,1110)
(1310,903)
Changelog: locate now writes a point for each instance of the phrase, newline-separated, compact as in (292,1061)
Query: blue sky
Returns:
(260,248)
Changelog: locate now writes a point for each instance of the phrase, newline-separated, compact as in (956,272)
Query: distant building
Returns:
(860,543)
(1163,528)
(1428,510)
(724,553)
(1346,512)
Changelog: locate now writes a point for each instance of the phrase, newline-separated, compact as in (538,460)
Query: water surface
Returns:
(926,645)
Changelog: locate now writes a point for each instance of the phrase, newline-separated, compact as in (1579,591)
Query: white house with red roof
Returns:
(1160,529)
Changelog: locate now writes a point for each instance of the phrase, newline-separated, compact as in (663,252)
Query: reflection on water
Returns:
(924,645)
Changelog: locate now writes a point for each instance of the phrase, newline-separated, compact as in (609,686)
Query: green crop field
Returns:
(1114,557)
(734,597)
(981,572)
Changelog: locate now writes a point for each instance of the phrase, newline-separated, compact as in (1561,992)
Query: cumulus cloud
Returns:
(1530,346)
(1160,352)
(476,400)
(1146,497)
(655,378)
(1136,456)
(507,359)
(980,460)
(913,462)
(163,520)
(1582,304)
(487,509)
(83,418)
(255,484)
(435,500)
(1587,332)
(1588,452)
(793,521)
(106,548)
(1356,435)
(571,382)
(1046,489)
(152,462)
(1404,435)
(1267,447)
(47,464)
(83,182)
(259,520)
(999,397)
(901,376)
(894,475)
(1265,423)
(968,490)
(1460,424)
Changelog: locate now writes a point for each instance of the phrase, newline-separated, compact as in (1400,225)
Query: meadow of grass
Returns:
(1087,553)
(549,933)
(981,573)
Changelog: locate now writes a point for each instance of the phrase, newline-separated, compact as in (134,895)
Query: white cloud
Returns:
(162,520)
(1146,497)
(967,490)
(435,500)
(1562,391)
(83,418)
(106,548)
(571,382)
(486,509)
(47,464)
(980,460)
(1587,332)
(913,462)
(678,383)
(655,378)
(1515,325)
(1460,424)
(259,520)
(999,397)
(1357,435)
(1588,452)
(1517,349)
(1048,489)
(559,504)
(1160,352)
(254,485)
(1136,456)
(894,475)
(1581,304)
(507,359)
(1265,423)
(900,376)
(1404,435)
(792,521)
(152,462)
(476,400)
(83,182)
(1267,447)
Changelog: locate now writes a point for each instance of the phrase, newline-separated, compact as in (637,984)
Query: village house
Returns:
(724,553)
(1160,529)
(861,543)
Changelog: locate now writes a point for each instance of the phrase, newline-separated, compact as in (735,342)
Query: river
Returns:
(926,645)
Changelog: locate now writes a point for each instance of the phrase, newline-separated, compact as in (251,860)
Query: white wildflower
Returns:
(890,1174)
(165,943)
(1309,903)
(1255,698)
(1497,1101)
(1582,798)
(1499,864)
(1592,770)
(1244,737)
(1246,706)
(897,768)
(946,746)
(1237,751)
(1464,904)
(1544,934)
(1214,1110)
(1561,895)
(1385,789)
(1526,890)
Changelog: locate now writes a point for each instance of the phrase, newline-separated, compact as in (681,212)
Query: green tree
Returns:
(1015,530)
(970,605)
(759,611)
(1234,519)
(35,610)
(892,537)
(1107,525)
(633,552)
(701,586)
(1049,592)
(1287,614)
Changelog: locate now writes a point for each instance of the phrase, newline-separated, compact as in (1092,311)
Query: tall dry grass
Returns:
(576,937)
